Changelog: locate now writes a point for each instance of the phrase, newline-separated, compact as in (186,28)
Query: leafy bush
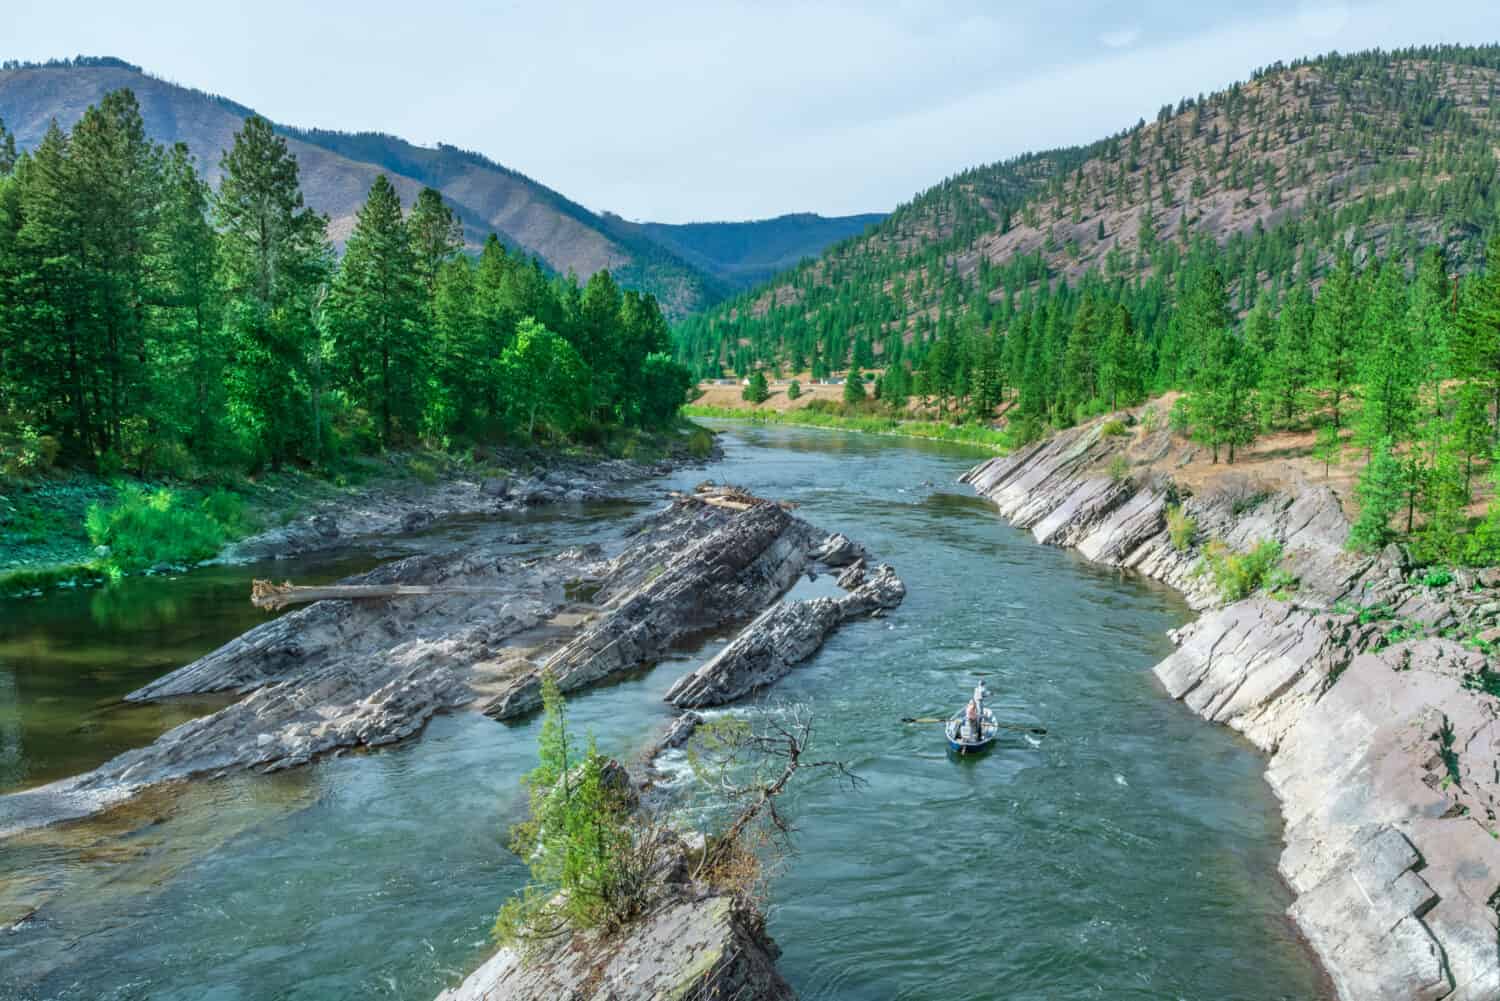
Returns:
(1182,528)
(1436,577)
(424,469)
(794,391)
(700,444)
(1113,428)
(1239,575)
(1151,420)
(142,529)
(1118,469)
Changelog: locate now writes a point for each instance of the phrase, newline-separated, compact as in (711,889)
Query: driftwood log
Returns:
(264,594)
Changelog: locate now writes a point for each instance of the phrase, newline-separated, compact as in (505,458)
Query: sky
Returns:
(692,110)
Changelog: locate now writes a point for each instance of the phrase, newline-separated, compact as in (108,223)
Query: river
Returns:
(1130,853)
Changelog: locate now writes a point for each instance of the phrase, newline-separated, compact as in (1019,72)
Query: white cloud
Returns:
(1120,38)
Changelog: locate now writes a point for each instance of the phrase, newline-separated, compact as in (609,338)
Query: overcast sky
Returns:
(685,110)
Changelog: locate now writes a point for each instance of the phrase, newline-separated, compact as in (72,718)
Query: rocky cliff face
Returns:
(1364,687)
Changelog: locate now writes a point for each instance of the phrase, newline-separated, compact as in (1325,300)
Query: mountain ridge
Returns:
(338,167)
(1379,151)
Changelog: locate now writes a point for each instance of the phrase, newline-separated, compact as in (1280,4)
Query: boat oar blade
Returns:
(1040,731)
(1022,727)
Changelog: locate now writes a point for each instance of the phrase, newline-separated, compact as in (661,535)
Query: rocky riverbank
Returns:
(386,508)
(1368,686)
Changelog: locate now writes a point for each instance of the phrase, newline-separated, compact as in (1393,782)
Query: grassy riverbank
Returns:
(968,434)
(64,528)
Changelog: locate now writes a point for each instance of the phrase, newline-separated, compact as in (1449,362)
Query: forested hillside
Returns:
(685,267)
(1303,250)
(151,323)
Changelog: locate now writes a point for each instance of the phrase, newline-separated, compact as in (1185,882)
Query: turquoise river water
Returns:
(1128,854)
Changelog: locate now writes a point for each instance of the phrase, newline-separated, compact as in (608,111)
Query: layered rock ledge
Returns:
(363,673)
(1364,686)
(700,945)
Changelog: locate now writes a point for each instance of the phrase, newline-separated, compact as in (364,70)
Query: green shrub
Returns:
(586,871)
(1182,528)
(1436,577)
(794,391)
(1118,469)
(1239,575)
(142,529)
(700,444)
(424,469)
(1113,428)
(757,390)
(1151,420)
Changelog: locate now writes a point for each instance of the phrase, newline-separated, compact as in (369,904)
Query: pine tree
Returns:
(187,351)
(1081,358)
(273,259)
(376,306)
(436,236)
(1336,335)
(1222,404)
(1121,379)
(1380,494)
(7,150)
(854,387)
(1476,342)
(462,391)
(1286,372)
(1387,373)
(1204,317)
(115,180)
(757,391)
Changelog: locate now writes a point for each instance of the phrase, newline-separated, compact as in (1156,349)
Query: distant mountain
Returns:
(748,253)
(338,168)
(1383,152)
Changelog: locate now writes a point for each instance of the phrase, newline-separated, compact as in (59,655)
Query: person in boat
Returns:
(974,714)
(973,727)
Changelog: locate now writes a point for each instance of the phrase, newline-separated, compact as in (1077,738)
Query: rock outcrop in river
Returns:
(343,674)
(1366,687)
(700,944)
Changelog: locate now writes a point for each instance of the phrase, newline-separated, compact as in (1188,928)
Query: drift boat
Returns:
(966,737)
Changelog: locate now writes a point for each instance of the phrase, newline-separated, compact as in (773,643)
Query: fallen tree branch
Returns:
(264,594)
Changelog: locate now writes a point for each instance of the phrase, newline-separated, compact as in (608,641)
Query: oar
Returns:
(1022,727)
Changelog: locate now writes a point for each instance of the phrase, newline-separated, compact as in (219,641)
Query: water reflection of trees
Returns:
(125,606)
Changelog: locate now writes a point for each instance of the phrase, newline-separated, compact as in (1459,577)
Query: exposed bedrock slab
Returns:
(1384,755)
(707,581)
(342,674)
(700,946)
(781,638)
